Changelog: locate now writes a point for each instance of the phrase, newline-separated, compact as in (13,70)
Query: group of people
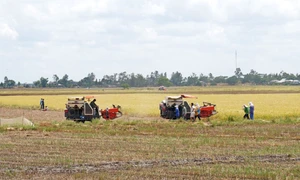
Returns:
(42,105)
(170,112)
(249,110)
(175,111)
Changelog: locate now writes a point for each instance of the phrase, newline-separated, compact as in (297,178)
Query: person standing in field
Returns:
(184,112)
(246,110)
(42,104)
(251,110)
(177,113)
(198,112)
(162,108)
(192,116)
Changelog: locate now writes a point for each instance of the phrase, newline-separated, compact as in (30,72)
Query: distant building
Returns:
(285,81)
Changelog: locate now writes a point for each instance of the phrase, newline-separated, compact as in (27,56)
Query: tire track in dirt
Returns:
(118,165)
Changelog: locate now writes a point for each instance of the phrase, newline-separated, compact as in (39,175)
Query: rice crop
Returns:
(229,106)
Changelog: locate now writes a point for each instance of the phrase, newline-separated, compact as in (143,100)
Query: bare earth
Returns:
(36,116)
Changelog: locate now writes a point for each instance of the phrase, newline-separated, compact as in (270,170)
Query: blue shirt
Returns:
(251,109)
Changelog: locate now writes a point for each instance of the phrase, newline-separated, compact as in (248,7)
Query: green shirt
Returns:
(246,110)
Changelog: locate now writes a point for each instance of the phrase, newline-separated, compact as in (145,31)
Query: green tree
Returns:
(193,80)
(238,73)
(37,83)
(5,84)
(125,86)
(55,79)
(140,81)
(64,81)
(163,81)
(232,80)
(88,81)
(43,82)
(123,77)
(220,79)
(176,78)
(8,83)
(204,79)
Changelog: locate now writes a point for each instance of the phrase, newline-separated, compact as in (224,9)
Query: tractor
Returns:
(168,107)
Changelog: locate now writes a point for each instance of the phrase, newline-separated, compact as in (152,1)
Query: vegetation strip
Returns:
(145,164)
(152,92)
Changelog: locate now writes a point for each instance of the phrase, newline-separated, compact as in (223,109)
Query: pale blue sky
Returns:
(41,38)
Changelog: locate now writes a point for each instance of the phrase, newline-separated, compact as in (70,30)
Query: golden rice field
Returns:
(267,106)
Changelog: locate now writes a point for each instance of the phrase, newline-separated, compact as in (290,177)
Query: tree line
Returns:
(156,78)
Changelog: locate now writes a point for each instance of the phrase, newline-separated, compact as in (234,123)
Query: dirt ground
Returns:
(36,116)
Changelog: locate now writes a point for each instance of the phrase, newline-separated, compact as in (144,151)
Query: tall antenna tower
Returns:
(236,64)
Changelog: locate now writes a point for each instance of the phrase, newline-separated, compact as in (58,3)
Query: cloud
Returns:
(90,6)
(150,8)
(146,35)
(8,32)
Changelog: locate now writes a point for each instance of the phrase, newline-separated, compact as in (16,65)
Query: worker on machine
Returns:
(95,107)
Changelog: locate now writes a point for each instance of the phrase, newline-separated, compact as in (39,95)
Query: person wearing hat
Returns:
(246,110)
(251,110)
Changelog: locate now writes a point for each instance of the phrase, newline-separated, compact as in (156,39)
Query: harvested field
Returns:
(36,116)
(153,149)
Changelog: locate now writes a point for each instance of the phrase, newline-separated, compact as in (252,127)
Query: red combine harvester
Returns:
(111,113)
(168,107)
(207,110)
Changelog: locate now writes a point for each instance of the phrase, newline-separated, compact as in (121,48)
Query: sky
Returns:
(74,37)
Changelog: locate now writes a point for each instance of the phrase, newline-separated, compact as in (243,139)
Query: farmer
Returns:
(192,116)
(162,108)
(197,111)
(251,110)
(177,113)
(184,113)
(42,104)
(95,107)
(246,110)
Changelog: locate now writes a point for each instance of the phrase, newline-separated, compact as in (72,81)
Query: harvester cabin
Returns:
(79,106)
(174,100)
